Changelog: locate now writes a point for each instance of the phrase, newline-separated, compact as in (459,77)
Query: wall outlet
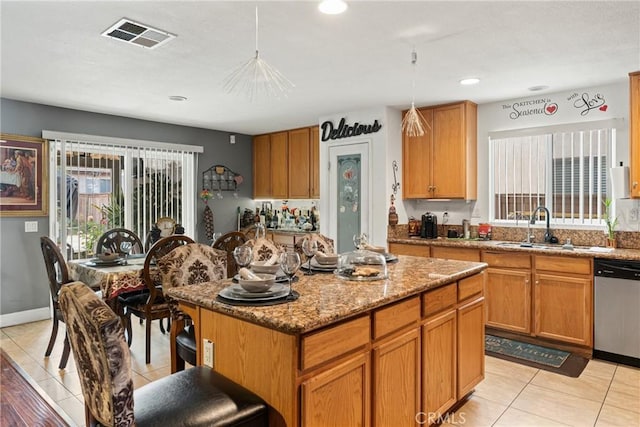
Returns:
(31,226)
(207,356)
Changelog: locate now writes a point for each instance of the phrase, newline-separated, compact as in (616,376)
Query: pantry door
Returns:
(349,192)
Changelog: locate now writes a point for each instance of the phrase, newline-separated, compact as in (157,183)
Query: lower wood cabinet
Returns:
(460,254)
(405,249)
(470,341)
(338,396)
(509,299)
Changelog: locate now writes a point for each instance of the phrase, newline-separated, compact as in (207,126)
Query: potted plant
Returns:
(611,224)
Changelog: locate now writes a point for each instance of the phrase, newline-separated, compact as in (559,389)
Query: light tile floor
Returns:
(511,395)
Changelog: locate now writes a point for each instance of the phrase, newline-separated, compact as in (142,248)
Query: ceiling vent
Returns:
(138,34)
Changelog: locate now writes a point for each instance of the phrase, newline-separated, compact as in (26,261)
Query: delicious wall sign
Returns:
(346,131)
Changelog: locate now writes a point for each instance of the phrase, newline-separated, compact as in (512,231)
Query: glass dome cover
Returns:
(362,264)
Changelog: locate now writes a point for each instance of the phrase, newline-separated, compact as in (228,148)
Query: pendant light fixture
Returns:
(256,77)
(413,122)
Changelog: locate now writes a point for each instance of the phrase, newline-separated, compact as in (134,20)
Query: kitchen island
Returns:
(353,353)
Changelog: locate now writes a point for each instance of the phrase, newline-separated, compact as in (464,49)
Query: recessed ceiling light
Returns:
(538,88)
(332,7)
(178,98)
(470,81)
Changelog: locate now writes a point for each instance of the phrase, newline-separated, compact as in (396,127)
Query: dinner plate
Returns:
(280,277)
(315,265)
(97,262)
(235,292)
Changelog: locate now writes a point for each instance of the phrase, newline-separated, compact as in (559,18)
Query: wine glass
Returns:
(290,263)
(125,248)
(243,255)
(309,247)
(360,240)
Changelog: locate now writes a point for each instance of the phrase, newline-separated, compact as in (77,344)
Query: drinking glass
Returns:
(126,247)
(290,263)
(243,255)
(309,247)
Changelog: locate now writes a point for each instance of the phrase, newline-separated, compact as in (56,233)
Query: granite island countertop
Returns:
(537,248)
(326,298)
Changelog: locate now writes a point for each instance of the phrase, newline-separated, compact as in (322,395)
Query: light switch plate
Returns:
(31,226)
(207,355)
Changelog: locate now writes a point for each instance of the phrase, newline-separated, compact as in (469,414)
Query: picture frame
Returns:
(24,178)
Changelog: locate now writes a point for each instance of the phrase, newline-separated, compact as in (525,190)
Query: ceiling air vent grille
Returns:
(138,34)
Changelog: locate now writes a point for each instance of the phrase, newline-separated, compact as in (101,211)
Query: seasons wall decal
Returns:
(584,103)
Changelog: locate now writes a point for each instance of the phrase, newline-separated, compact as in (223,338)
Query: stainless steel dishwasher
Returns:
(617,311)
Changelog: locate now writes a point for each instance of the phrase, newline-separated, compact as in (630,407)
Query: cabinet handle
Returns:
(635,184)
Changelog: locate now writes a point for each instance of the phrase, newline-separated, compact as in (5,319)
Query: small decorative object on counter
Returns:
(611,224)
(393,216)
(484,231)
(414,227)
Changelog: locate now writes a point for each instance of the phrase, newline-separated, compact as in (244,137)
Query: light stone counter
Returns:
(326,299)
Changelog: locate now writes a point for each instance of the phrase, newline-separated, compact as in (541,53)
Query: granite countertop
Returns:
(538,248)
(325,298)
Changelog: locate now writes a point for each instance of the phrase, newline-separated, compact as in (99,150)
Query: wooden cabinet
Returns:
(286,164)
(508,291)
(634,132)
(564,299)
(414,250)
(460,254)
(338,396)
(470,342)
(443,162)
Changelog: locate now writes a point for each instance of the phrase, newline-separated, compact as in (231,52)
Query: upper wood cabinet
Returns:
(634,132)
(442,164)
(285,164)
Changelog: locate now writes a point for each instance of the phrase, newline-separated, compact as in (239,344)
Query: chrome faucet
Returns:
(547,234)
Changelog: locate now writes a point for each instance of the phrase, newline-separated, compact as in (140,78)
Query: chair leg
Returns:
(65,353)
(54,334)
(177,363)
(126,323)
(148,341)
(161,326)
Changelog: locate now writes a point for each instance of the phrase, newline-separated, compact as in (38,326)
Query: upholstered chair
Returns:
(195,397)
(325,245)
(188,265)
(264,249)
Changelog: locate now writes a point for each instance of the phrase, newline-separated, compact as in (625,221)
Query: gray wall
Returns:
(23,281)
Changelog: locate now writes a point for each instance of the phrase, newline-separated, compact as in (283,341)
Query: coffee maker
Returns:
(429,227)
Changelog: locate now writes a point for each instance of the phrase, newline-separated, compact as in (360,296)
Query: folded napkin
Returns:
(246,274)
(373,248)
(272,260)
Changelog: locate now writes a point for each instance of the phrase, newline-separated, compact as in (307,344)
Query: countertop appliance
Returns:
(429,227)
(617,311)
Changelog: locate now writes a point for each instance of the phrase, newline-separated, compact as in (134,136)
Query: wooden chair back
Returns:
(228,242)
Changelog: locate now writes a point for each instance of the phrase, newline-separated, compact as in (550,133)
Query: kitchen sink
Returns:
(524,245)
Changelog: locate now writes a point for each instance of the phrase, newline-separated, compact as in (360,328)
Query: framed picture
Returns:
(23,176)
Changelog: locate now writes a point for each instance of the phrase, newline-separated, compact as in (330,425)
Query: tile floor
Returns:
(511,395)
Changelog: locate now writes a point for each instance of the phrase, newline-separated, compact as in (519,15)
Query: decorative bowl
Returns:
(260,267)
(263,284)
(107,256)
(324,259)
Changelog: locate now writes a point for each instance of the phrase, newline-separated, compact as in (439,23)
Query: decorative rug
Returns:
(549,359)
(20,404)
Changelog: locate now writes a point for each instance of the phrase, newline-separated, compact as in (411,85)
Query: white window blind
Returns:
(563,170)
(111,183)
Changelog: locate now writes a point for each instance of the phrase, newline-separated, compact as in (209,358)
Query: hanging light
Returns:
(413,122)
(256,77)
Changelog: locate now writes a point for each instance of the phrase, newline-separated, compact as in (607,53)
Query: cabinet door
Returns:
(508,299)
(634,132)
(396,381)
(416,162)
(279,165)
(563,308)
(339,396)
(315,163)
(262,166)
(470,346)
(439,364)
(449,154)
(415,250)
(299,163)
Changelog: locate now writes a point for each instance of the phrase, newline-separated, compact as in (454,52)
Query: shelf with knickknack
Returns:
(219,178)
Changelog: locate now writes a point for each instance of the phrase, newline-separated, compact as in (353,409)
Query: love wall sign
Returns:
(578,103)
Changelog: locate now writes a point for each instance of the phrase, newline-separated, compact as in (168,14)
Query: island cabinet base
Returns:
(385,367)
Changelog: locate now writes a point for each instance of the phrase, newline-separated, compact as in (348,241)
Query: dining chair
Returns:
(264,249)
(112,240)
(195,397)
(152,305)
(228,242)
(188,265)
(325,245)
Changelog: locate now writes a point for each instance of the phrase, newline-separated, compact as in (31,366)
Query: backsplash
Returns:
(624,239)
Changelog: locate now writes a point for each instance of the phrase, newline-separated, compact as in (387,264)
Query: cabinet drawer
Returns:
(414,250)
(507,259)
(395,317)
(564,264)
(471,286)
(460,254)
(334,341)
(439,299)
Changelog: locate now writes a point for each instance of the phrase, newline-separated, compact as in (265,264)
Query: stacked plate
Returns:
(316,266)
(280,277)
(237,293)
(97,262)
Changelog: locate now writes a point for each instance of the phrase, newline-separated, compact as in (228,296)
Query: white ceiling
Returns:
(53,53)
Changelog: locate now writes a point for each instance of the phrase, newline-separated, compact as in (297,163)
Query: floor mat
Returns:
(549,359)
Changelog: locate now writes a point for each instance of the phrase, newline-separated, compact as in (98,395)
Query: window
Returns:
(112,182)
(564,170)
